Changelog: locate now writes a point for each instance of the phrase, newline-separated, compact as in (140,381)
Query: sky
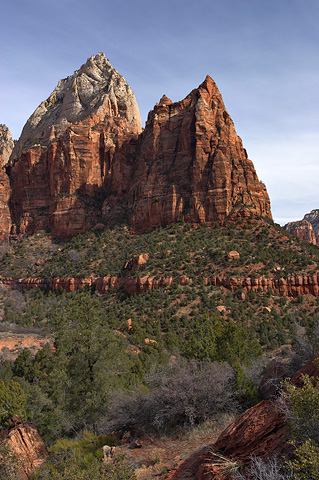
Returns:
(263,55)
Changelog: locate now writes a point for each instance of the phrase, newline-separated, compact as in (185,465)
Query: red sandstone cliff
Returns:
(83,146)
(6,146)
(307,229)
(63,159)
(259,431)
(26,443)
(292,286)
(191,164)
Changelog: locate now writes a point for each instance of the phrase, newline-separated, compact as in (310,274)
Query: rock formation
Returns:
(6,145)
(260,431)
(26,443)
(191,164)
(307,229)
(83,147)
(292,286)
(63,159)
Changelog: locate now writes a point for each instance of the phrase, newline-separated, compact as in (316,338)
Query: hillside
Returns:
(186,316)
(144,287)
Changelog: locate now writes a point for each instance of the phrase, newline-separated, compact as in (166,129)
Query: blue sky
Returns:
(263,55)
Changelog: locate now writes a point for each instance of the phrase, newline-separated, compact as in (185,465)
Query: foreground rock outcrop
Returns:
(307,229)
(26,443)
(82,157)
(259,431)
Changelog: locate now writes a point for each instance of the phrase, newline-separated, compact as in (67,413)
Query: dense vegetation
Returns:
(180,248)
(150,362)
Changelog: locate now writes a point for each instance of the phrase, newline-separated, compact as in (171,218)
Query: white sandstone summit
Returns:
(96,89)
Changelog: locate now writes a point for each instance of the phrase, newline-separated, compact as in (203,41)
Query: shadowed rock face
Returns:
(191,164)
(83,147)
(307,229)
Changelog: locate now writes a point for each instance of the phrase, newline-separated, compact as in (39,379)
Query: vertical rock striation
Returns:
(64,156)
(6,147)
(25,441)
(307,229)
(81,155)
(191,164)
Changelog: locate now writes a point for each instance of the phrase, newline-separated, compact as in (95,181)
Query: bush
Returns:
(270,469)
(9,463)
(12,401)
(302,408)
(182,395)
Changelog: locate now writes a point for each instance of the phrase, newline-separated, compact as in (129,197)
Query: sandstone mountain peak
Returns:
(96,89)
(191,165)
(84,148)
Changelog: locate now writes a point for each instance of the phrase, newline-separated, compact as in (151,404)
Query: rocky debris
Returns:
(63,160)
(6,145)
(307,229)
(221,308)
(135,262)
(271,379)
(108,453)
(233,255)
(190,165)
(25,441)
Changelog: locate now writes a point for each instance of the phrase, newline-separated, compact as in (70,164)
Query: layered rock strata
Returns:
(83,148)
(191,165)
(63,160)
(6,147)
(307,229)
(292,286)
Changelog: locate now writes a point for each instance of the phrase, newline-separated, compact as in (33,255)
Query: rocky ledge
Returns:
(292,286)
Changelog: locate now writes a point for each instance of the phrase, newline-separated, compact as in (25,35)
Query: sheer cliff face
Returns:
(6,146)
(84,145)
(64,155)
(191,164)
(307,229)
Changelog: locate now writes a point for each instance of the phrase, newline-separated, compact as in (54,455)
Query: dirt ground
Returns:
(161,457)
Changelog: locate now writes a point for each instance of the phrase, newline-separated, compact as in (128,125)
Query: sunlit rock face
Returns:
(6,145)
(82,158)
(64,156)
(307,229)
(191,165)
